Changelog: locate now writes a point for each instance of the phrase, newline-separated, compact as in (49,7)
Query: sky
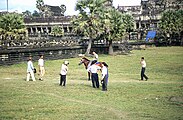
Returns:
(23,5)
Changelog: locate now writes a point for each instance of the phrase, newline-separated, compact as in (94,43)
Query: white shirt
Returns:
(64,69)
(30,66)
(93,68)
(143,63)
(95,57)
(104,71)
(41,62)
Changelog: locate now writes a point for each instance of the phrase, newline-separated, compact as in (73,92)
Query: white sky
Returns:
(23,5)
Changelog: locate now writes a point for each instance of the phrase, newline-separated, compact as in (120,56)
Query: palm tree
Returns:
(115,25)
(87,22)
(63,9)
(40,6)
(12,25)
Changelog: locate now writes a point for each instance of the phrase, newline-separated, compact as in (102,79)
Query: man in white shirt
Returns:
(93,69)
(63,73)
(143,63)
(41,67)
(30,69)
(105,76)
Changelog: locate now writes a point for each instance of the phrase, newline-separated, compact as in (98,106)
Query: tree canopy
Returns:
(97,20)
(12,24)
(171,23)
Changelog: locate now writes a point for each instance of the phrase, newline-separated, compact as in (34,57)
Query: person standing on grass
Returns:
(93,69)
(30,70)
(143,63)
(63,73)
(105,76)
(41,67)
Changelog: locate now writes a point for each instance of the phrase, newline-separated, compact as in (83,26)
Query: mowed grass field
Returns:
(127,98)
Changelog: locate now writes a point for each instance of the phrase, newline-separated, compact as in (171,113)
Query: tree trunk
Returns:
(89,47)
(110,48)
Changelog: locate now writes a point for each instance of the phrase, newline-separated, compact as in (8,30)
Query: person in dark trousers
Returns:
(94,69)
(143,63)
(63,73)
(105,76)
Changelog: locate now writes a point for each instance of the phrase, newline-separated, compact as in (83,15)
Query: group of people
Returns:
(31,69)
(94,67)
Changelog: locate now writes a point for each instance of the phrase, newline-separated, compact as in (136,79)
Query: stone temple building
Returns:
(146,16)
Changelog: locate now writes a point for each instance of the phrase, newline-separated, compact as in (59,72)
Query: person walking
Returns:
(105,76)
(30,69)
(143,63)
(41,67)
(63,73)
(93,69)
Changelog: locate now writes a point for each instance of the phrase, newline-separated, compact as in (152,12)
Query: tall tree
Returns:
(114,25)
(171,22)
(87,22)
(40,6)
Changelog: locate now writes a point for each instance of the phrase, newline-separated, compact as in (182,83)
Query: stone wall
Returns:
(13,56)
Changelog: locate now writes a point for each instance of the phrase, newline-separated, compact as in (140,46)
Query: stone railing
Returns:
(41,42)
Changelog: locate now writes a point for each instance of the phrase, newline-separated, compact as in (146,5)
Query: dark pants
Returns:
(104,83)
(95,81)
(62,80)
(143,74)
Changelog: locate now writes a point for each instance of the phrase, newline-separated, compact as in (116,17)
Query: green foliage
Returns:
(87,22)
(40,5)
(27,13)
(57,31)
(12,25)
(96,20)
(11,21)
(127,98)
(172,22)
(35,14)
(63,9)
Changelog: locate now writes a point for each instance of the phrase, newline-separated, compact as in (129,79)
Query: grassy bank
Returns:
(159,98)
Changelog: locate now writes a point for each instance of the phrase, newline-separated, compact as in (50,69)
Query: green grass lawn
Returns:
(159,98)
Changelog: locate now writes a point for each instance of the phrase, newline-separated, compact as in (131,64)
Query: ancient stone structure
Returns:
(147,15)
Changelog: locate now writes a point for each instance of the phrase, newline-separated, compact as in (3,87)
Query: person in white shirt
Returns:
(143,63)
(93,69)
(63,73)
(94,60)
(95,56)
(41,67)
(30,70)
(105,76)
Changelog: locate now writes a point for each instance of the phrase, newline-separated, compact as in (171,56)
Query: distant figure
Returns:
(93,69)
(105,76)
(63,73)
(30,70)
(95,56)
(94,60)
(143,63)
(41,67)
